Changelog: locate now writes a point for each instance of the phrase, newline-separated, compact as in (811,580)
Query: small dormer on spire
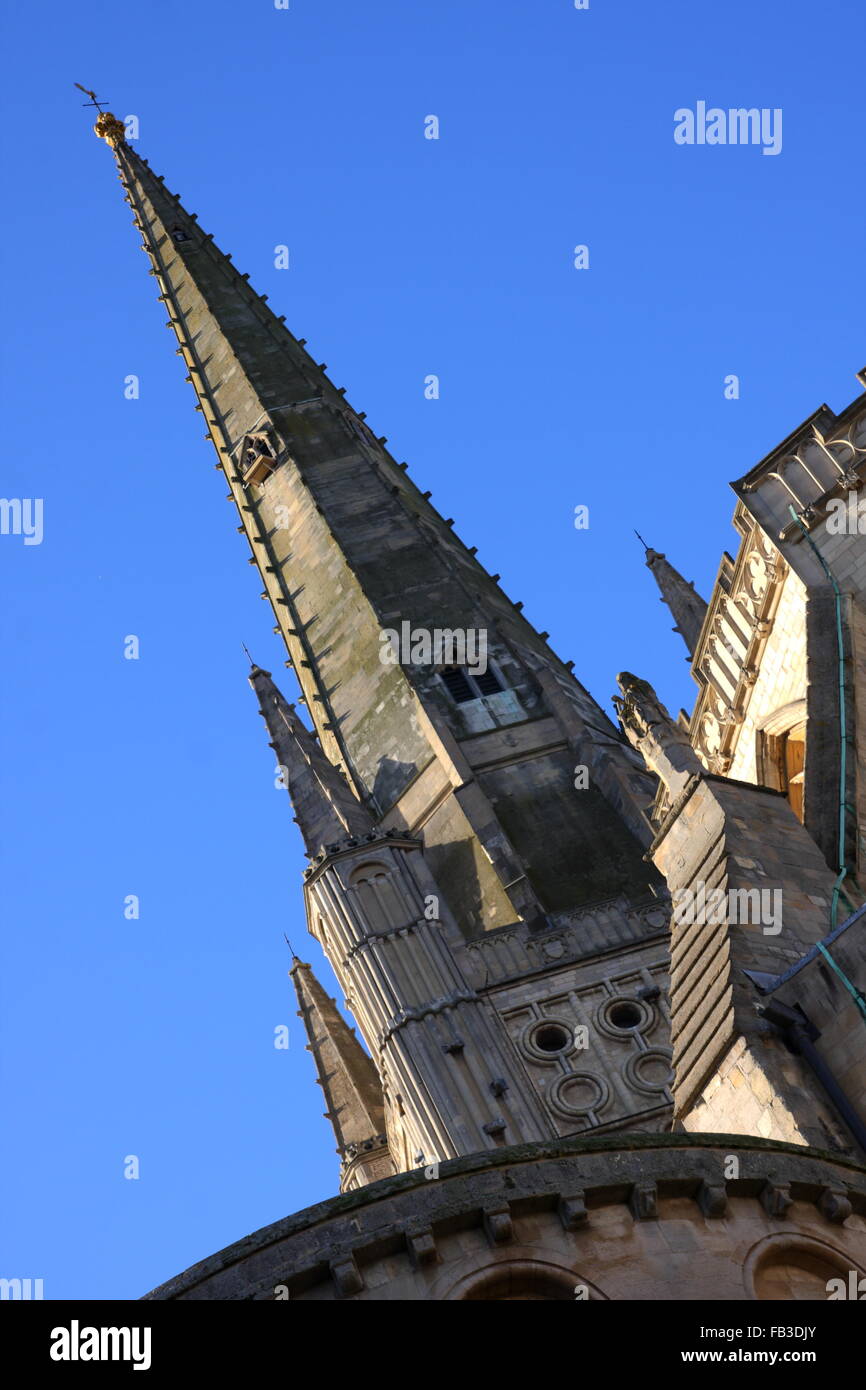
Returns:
(326,808)
(687,607)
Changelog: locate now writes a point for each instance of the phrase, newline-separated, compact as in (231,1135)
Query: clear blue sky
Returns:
(558,387)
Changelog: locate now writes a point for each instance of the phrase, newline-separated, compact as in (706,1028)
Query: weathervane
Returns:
(93,98)
(107,126)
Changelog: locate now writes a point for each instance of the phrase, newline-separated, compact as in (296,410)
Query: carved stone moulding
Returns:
(548,1208)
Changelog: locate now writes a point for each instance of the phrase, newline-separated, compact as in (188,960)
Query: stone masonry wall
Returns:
(733,1070)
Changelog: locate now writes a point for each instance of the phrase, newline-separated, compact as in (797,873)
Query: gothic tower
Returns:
(475,823)
(485,877)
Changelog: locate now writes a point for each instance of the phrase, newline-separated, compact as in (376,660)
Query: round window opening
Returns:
(552,1037)
(625,1015)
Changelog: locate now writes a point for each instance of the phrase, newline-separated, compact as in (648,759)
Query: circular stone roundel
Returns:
(547,1039)
(578,1093)
(622,1017)
(650,1071)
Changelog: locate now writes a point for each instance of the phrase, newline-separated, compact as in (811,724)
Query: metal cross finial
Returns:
(93,98)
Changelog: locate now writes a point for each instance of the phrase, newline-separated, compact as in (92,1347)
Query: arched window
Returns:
(381,903)
(784,1268)
(782,752)
(524,1281)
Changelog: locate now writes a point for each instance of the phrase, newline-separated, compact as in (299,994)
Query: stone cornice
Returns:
(673,811)
(636,1170)
(825,457)
(376,840)
(373,1147)
(516,952)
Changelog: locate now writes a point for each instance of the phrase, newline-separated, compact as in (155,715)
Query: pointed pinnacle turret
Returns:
(349,1080)
(687,607)
(326,809)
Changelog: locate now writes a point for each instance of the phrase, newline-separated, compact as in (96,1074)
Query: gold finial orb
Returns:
(109,128)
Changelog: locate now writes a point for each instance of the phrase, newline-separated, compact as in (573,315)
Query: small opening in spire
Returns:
(257,458)
(462,686)
(457,684)
(487,683)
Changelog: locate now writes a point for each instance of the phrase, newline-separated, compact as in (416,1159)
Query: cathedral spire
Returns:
(686,605)
(349,1082)
(255,384)
(326,809)
(413,663)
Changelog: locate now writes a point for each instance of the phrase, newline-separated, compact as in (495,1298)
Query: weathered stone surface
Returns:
(510,1213)
(479,880)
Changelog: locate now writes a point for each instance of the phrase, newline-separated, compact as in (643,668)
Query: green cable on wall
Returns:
(843,870)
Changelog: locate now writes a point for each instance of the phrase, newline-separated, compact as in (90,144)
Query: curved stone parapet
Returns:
(623,1217)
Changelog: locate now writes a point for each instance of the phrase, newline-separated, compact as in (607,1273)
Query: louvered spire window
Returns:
(462,686)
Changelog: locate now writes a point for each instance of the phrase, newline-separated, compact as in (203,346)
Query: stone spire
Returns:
(349,1082)
(254,382)
(352,556)
(326,809)
(441,797)
(686,605)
